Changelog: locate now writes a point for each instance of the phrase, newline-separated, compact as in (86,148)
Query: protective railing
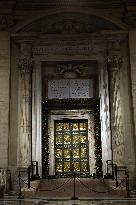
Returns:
(74,177)
(31,175)
(117,173)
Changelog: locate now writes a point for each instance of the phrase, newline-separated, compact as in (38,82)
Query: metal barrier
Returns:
(110,170)
(74,186)
(35,174)
(112,173)
(123,169)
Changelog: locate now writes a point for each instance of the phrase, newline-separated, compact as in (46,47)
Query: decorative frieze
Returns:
(73,47)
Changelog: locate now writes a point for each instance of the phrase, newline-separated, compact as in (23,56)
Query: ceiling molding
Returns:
(99,14)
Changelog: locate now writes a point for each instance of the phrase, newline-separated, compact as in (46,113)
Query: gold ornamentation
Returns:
(59,126)
(59,167)
(76,166)
(67,139)
(66,153)
(83,139)
(58,153)
(66,166)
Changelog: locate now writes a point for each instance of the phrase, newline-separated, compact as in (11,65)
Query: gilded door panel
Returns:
(71,147)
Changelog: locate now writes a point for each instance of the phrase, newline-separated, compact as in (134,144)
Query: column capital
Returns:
(25,65)
(6,22)
(115,62)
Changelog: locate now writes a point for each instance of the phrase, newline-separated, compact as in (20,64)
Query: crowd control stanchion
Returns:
(29,172)
(74,187)
(127,184)
(35,174)
(20,196)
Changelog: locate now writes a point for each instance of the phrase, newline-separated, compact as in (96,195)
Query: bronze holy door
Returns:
(71,147)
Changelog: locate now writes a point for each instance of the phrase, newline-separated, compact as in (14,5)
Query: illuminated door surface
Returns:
(71,147)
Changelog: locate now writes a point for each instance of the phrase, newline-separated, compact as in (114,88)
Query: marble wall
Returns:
(4,96)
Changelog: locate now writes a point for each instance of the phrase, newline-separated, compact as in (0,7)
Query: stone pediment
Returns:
(69,23)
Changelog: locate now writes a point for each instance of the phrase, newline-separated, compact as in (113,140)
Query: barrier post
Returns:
(116,175)
(127,184)
(29,170)
(20,196)
(74,186)
(35,174)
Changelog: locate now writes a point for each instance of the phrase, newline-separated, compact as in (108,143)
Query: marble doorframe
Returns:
(36,110)
(37,124)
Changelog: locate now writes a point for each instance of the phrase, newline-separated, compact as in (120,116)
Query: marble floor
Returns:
(122,201)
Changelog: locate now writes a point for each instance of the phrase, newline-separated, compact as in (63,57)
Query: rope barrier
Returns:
(47,189)
(101,191)
(79,181)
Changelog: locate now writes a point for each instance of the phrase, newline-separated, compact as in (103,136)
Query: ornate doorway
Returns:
(71,147)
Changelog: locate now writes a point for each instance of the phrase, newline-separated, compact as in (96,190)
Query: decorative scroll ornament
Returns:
(69,70)
(25,65)
(115,62)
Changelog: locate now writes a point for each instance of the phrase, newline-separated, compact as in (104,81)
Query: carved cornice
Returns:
(6,22)
(25,65)
(115,62)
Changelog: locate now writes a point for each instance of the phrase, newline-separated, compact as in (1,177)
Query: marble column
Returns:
(115,63)
(132,53)
(132,46)
(25,106)
(104,114)
(36,114)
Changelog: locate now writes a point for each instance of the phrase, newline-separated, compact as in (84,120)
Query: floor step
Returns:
(84,187)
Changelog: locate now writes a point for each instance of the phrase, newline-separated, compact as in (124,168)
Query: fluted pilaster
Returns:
(115,61)
(25,113)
